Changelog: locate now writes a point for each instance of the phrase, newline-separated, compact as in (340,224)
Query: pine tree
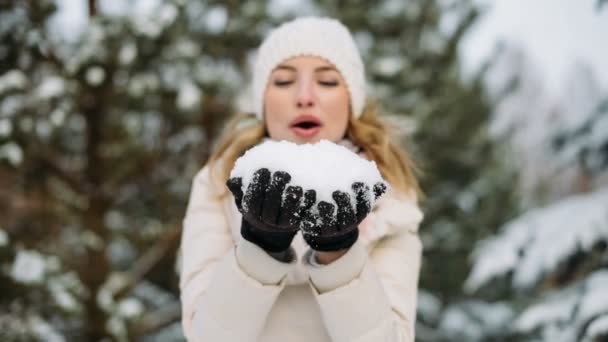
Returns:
(550,261)
(100,138)
(100,142)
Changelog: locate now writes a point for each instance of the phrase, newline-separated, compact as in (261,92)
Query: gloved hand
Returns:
(269,221)
(325,233)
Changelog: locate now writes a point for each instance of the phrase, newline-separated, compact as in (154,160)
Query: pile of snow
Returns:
(539,241)
(324,167)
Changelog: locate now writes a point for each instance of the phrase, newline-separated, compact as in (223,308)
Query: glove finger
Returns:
(289,215)
(235,185)
(274,196)
(308,224)
(309,199)
(254,196)
(362,197)
(309,219)
(346,215)
(326,216)
(379,189)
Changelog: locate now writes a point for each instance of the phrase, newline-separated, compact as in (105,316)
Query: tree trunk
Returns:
(96,269)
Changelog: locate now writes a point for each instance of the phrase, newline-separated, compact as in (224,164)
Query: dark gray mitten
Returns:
(324,231)
(270,221)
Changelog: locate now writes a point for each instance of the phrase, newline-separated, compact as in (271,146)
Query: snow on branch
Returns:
(586,142)
(475,320)
(570,314)
(597,330)
(538,242)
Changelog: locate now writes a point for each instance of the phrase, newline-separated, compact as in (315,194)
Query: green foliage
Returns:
(100,138)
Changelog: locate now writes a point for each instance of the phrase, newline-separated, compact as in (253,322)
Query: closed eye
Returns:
(328,83)
(282,83)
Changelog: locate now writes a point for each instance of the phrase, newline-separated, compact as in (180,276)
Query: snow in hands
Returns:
(324,167)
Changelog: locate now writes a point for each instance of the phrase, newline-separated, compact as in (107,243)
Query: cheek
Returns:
(339,107)
(272,101)
(273,124)
(274,116)
(341,102)
(339,125)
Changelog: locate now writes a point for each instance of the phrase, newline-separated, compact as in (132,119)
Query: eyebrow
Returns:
(317,69)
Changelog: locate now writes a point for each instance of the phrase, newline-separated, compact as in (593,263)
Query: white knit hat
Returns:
(323,37)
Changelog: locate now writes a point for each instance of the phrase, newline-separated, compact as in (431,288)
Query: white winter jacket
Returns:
(231,290)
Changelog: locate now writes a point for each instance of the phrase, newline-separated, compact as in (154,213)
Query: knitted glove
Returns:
(324,232)
(270,221)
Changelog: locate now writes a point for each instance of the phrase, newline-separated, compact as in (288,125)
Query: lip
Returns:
(305,132)
(303,118)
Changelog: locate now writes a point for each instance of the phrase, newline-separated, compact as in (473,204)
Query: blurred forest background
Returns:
(101,135)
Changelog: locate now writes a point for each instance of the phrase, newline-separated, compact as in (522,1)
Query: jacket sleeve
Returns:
(367,297)
(227,291)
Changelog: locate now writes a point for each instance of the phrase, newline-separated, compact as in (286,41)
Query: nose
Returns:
(305,94)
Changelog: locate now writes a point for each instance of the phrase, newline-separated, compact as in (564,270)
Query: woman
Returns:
(244,280)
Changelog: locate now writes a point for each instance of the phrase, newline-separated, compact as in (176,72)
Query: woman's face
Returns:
(306,100)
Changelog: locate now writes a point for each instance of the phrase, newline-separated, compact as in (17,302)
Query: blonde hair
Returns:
(369,132)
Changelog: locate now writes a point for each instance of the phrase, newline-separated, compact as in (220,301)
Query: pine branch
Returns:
(130,173)
(156,320)
(40,152)
(71,179)
(150,259)
(456,37)
(450,51)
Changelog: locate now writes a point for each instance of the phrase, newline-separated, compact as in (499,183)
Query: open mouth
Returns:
(306,125)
